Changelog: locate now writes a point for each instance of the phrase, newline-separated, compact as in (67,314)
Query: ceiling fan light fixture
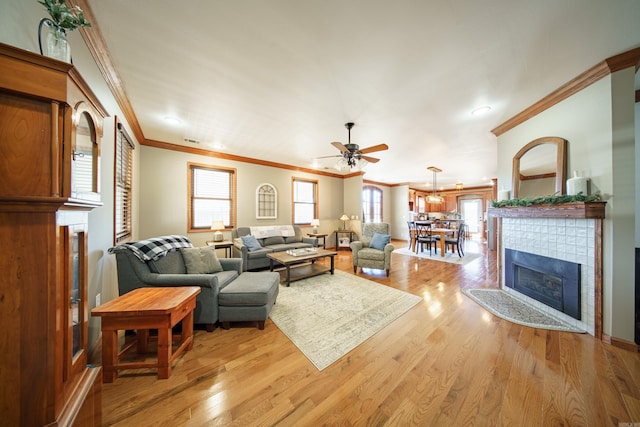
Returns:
(341,164)
(351,156)
(360,164)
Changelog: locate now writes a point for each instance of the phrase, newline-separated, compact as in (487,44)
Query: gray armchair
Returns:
(170,270)
(365,256)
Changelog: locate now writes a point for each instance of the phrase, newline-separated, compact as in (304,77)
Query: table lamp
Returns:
(315,223)
(344,218)
(216,226)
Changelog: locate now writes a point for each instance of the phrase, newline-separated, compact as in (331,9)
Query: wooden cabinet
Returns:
(450,202)
(50,128)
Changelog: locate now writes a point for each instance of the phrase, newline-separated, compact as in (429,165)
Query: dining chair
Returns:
(423,236)
(457,241)
(412,227)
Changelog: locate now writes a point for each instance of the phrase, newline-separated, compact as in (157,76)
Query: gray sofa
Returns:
(170,270)
(252,260)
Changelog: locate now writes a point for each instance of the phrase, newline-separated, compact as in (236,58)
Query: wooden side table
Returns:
(225,244)
(320,236)
(143,309)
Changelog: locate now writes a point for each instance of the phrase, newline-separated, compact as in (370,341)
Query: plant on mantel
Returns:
(64,18)
(546,200)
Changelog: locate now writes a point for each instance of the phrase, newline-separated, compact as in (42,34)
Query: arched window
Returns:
(266,202)
(371,204)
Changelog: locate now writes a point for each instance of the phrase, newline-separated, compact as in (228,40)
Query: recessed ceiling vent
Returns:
(192,141)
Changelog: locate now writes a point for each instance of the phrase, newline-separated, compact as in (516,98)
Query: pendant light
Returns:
(434,198)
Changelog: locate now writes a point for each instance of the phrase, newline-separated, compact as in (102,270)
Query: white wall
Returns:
(400,211)
(163,196)
(19,21)
(598,122)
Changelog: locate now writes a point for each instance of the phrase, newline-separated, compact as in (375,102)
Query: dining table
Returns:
(442,233)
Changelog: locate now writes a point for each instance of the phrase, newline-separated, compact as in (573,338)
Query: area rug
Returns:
(449,257)
(507,307)
(327,316)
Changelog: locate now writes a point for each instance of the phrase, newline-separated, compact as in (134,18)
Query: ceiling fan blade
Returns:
(370,159)
(326,157)
(379,147)
(340,146)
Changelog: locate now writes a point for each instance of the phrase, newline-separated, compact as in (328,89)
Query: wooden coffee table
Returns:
(143,309)
(301,271)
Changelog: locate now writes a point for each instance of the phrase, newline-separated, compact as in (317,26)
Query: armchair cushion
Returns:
(201,260)
(251,243)
(379,241)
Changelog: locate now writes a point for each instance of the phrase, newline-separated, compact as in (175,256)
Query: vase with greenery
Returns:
(63,19)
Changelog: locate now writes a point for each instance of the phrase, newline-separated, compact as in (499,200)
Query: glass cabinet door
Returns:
(85,158)
(76,296)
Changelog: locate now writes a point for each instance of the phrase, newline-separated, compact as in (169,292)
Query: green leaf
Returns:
(547,200)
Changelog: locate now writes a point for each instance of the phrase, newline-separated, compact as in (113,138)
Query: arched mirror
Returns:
(539,168)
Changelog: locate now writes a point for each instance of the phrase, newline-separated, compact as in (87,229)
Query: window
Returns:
(371,204)
(212,196)
(123,177)
(305,204)
(266,202)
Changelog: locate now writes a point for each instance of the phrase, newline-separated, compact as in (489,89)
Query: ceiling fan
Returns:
(351,154)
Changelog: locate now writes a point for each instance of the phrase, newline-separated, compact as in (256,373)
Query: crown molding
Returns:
(97,47)
(610,65)
(218,155)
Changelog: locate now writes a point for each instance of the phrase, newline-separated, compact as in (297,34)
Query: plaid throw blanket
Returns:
(155,247)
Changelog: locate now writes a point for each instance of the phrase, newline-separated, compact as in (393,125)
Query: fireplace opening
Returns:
(544,287)
(551,281)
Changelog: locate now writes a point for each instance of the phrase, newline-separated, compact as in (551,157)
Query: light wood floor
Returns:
(446,362)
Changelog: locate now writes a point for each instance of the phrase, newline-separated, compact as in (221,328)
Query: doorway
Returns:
(471,210)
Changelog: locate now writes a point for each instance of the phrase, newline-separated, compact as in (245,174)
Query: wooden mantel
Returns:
(578,210)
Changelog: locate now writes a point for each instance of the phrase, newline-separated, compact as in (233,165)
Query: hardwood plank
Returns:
(445,362)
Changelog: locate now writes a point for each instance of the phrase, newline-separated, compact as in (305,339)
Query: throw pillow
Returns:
(379,241)
(251,243)
(201,260)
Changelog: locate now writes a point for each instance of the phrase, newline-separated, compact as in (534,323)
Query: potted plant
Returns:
(63,19)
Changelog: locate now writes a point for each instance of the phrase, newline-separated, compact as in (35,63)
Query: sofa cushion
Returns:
(293,239)
(379,241)
(260,253)
(251,243)
(201,260)
(171,263)
(275,240)
(225,277)
(250,289)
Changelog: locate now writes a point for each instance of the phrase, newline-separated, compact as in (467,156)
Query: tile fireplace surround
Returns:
(565,239)
(572,234)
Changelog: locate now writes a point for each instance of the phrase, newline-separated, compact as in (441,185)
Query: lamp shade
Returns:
(344,217)
(217,225)
(315,223)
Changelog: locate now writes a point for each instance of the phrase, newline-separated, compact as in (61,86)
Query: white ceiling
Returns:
(276,80)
